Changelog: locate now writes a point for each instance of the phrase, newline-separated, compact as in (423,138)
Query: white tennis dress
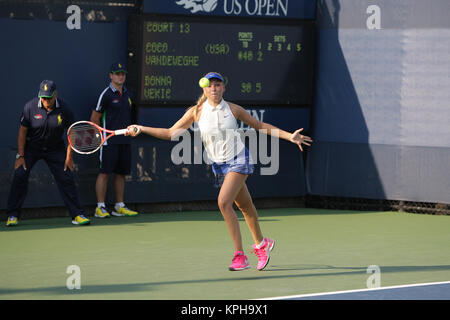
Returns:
(218,130)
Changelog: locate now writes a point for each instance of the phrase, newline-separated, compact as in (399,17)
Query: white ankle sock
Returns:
(119,205)
(258,246)
(101,204)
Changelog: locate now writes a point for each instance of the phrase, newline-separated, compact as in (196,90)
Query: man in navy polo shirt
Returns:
(113,112)
(42,126)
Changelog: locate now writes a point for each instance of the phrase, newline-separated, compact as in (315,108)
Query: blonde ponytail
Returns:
(200,101)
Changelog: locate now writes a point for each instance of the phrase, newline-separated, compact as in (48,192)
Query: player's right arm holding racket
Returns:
(164,133)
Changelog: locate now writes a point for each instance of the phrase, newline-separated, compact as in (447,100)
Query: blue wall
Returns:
(78,61)
(381,119)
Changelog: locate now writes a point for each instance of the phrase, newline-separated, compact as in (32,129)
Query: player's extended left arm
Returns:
(266,128)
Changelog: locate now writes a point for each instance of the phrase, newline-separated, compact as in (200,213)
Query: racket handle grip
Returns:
(120,132)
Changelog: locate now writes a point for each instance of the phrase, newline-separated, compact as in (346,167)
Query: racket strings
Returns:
(85,137)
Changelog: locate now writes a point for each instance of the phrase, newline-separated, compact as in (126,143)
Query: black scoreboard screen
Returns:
(267,62)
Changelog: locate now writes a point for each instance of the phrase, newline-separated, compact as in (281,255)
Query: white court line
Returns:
(357,290)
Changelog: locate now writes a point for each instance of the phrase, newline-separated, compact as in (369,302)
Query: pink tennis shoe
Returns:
(263,253)
(240,262)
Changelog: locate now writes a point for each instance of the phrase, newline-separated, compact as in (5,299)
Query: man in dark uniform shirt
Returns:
(114,112)
(42,126)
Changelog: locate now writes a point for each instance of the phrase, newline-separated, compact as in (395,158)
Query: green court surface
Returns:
(186,255)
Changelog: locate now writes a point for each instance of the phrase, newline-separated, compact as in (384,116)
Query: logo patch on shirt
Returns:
(59,119)
(129,101)
(116,101)
(38,116)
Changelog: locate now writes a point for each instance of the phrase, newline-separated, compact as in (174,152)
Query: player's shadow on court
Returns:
(241,276)
(351,270)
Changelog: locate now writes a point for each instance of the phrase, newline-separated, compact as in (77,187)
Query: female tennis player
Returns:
(231,164)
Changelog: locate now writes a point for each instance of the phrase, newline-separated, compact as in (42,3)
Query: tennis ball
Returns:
(203,83)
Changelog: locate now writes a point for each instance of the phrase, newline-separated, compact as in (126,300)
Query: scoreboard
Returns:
(263,61)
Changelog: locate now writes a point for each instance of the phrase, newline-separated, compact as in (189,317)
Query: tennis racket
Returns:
(86,137)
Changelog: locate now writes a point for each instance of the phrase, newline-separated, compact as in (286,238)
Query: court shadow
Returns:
(143,219)
(270,273)
(349,270)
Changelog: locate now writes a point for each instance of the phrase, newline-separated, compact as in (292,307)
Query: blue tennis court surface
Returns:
(422,291)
